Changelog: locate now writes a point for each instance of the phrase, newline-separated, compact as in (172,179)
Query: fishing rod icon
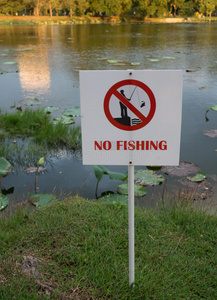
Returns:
(124,108)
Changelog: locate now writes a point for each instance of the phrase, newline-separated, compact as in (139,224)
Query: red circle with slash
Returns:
(113,91)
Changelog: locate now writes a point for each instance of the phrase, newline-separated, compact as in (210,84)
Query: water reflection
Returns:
(50,72)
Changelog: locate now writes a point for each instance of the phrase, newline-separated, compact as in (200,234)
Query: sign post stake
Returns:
(131,223)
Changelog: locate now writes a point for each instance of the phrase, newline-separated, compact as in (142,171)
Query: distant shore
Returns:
(40,20)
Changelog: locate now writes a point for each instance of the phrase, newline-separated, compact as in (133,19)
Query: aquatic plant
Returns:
(99,171)
(40,163)
(5,167)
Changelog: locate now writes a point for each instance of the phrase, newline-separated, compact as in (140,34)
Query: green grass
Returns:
(83,247)
(28,135)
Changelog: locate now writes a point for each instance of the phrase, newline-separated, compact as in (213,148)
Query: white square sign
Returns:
(131,116)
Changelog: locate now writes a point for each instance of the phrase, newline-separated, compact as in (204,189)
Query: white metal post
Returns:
(131,223)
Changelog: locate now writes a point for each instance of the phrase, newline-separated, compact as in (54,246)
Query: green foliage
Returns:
(99,171)
(148,177)
(43,200)
(5,167)
(3,201)
(87,241)
(139,190)
(142,8)
(200,176)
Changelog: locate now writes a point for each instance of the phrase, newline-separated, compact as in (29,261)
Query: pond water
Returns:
(48,69)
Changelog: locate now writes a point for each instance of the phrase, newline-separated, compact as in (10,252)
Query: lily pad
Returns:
(147,177)
(9,63)
(214,107)
(5,167)
(169,57)
(34,169)
(191,70)
(184,169)
(67,120)
(117,199)
(154,59)
(205,87)
(112,61)
(21,50)
(196,191)
(135,63)
(102,58)
(3,201)
(198,177)
(139,190)
(30,102)
(211,133)
(43,200)
(50,109)
(72,112)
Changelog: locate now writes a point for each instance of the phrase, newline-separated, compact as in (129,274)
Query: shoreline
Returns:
(61,20)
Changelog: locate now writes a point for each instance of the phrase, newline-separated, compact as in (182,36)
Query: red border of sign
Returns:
(113,90)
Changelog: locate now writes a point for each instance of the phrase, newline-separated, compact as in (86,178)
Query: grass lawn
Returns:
(78,249)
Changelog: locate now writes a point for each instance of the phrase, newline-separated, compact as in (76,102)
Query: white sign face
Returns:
(131,116)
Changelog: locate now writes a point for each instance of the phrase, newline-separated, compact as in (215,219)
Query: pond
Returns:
(44,61)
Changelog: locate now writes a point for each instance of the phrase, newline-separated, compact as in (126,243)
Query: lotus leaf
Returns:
(34,169)
(191,70)
(139,190)
(211,133)
(72,112)
(43,200)
(148,177)
(21,50)
(66,120)
(196,190)
(116,199)
(169,57)
(205,87)
(102,58)
(99,171)
(3,201)
(184,169)
(112,61)
(9,63)
(198,177)
(154,59)
(214,107)
(5,167)
(50,109)
(135,64)
(30,102)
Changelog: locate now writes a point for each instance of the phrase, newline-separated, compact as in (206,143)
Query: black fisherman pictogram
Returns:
(125,119)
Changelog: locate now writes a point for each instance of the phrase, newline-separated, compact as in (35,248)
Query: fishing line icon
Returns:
(129,105)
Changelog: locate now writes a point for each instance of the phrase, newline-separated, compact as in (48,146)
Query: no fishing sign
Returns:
(131,116)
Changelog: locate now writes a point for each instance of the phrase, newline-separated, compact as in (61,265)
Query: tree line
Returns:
(137,8)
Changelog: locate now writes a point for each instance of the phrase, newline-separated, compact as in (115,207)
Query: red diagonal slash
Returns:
(129,105)
(114,91)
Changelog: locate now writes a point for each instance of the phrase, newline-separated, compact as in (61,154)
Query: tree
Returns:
(175,5)
(53,4)
(11,6)
(208,6)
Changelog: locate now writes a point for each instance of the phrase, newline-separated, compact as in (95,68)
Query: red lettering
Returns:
(153,145)
(131,145)
(140,145)
(119,144)
(107,145)
(163,145)
(97,145)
